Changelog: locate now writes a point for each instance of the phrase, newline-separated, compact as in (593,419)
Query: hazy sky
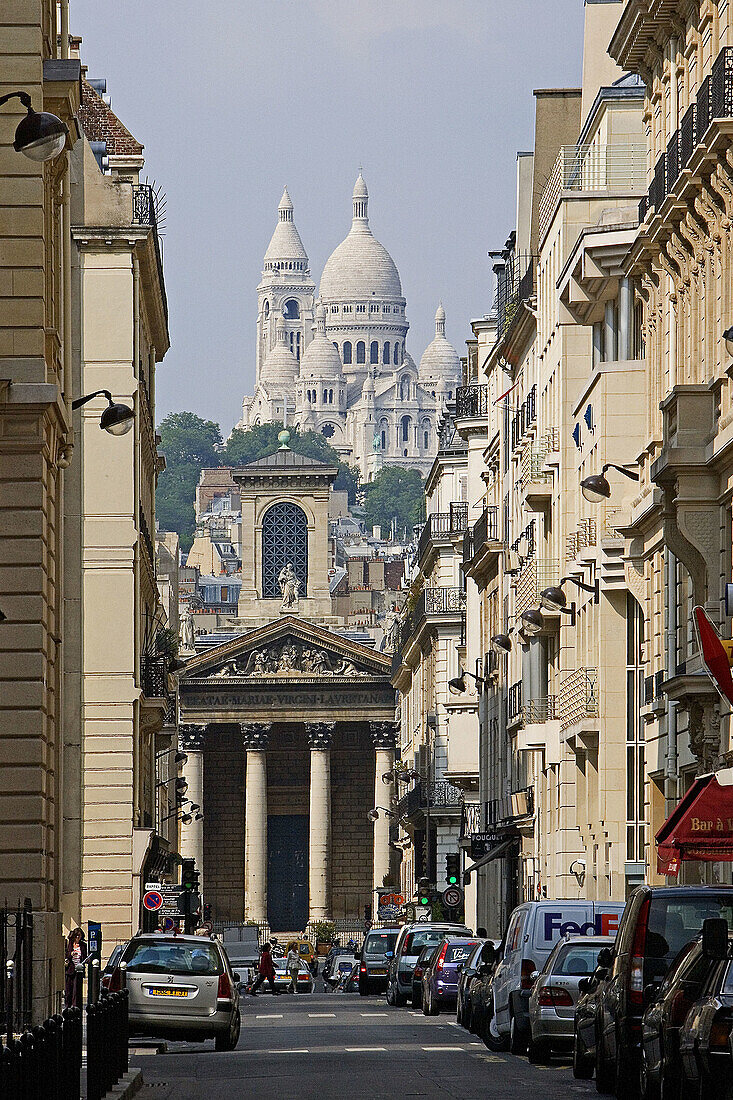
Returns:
(232,101)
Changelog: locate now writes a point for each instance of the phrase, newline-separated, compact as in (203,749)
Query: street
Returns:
(333,1045)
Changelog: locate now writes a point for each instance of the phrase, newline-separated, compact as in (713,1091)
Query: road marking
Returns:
(363,1050)
(272,1017)
(443,1048)
(304,1050)
(322,1015)
(416,1013)
(373,1015)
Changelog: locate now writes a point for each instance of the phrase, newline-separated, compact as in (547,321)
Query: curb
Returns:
(127,1086)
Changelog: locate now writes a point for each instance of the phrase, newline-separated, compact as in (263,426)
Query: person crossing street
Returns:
(292,963)
(266,973)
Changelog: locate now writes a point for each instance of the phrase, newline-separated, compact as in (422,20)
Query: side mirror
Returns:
(459,968)
(715,938)
(650,992)
(605,957)
(534,976)
(584,985)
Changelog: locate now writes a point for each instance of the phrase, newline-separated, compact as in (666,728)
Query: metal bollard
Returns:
(94,1090)
(9,991)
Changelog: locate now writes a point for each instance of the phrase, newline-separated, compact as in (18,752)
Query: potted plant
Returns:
(323,933)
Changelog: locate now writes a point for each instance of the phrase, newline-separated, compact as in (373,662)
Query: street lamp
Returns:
(457,685)
(596,487)
(373,815)
(502,642)
(40,135)
(117,419)
(554,599)
(532,622)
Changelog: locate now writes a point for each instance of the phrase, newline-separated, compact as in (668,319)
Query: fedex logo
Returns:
(605,924)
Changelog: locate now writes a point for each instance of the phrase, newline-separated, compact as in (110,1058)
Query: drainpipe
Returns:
(609,322)
(670,762)
(64,34)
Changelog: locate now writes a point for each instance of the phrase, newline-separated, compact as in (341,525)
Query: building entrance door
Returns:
(287,872)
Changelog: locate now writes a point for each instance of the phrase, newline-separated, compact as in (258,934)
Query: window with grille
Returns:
(284,539)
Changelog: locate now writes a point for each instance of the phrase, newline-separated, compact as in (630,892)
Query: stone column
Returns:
(320,736)
(191,740)
(383,737)
(255,736)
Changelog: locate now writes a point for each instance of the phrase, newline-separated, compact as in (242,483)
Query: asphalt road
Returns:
(325,1046)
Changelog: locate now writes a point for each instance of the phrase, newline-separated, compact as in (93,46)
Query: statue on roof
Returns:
(289,586)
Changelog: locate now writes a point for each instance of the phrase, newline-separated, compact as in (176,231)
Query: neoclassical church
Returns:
(337,363)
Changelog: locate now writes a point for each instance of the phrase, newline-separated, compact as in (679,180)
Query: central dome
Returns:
(360,267)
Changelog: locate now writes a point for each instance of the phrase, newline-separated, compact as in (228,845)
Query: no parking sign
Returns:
(152,900)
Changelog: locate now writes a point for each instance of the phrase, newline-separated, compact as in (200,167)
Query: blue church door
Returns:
(287,872)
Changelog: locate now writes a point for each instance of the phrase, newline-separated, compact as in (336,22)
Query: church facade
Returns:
(337,363)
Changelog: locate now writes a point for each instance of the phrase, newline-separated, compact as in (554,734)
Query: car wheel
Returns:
(490,1034)
(400,999)
(582,1064)
(604,1073)
(538,1052)
(228,1040)
(517,1037)
(426,1005)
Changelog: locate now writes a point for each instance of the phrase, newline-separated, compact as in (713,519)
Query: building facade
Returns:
(338,364)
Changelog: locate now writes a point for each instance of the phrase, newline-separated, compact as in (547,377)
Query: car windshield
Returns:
(379,943)
(305,949)
(173,958)
(674,922)
(576,960)
(415,941)
(458,952)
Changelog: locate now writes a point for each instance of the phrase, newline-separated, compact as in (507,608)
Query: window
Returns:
(284,539)
(374,308)
(334,309)
(224,593)
(386,354)
(328,431)
(405,422)
(330,397)
(384,440)
(347,352)
(361,352)
(361,309)
(325,396)
(397,355)
(425,440)
(266,309)
(291,310)
(347,309)
(374,352)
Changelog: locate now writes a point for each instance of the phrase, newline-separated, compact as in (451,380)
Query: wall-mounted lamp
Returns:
(596,487)
(554,599)
(577,868)
(40,135)
(502,643)
(373,815)
(117,419)
(457,686)
(532,622)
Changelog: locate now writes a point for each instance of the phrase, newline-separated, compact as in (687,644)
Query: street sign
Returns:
(452,897)
(153,900)
(483,843)
(410,912)
(714,656)
(169,924)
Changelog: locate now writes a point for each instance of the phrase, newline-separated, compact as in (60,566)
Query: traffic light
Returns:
(424,892)
(189,901)
(207,911)
(189,876)
(453,869)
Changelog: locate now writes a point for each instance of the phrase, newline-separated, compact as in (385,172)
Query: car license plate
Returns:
(378,972)
(168,992)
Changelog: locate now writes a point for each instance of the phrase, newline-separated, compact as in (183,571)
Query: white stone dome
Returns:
(285,243)
(360,267)
(280,366)
(440,360)
(321,359)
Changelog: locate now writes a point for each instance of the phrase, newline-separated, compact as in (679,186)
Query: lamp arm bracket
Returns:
(24,98)
(90,397)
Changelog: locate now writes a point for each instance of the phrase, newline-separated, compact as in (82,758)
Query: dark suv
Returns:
(656,924)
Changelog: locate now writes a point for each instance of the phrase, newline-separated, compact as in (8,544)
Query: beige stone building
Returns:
(120,694)
(35,449)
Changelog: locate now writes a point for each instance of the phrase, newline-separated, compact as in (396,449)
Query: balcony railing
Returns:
(539,710)
(145,212)
(578,696)
(430,796)
(486,527)
(443,525)
(592,168)
(524,417)
(470,819)
(519,804)
(472,402)
(440,601)
(154,676)
(538,574)
(515,284)
(514,702)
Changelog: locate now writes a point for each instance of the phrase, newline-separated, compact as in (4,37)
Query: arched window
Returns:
(405,422)
(386,354)
(397,355)
(330,397)
(325,396)
(384,441)
(291,309)
(297,346)
(266,309)
(328,431)
(347,352)
(425,439)
(374,352)
(361,352)
(284,540)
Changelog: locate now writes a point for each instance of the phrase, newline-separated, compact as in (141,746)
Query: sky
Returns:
(433,98)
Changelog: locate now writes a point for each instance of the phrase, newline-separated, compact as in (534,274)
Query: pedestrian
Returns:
(266,971)
(482,933)
(292,964)
(76,953)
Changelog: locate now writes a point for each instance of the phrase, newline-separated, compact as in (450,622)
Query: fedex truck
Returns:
(534,929)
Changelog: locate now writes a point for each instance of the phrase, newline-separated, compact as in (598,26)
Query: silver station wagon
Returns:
(180,987)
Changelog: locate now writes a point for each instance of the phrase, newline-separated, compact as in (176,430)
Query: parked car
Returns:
(410,942)
(180,987)
(440,976)
(534,929)
(585,1024)
(330,965)
(423,960)
(555,994)
(349,983)
(376,951)
(111,965)
(306,981)
(705,1039)
(342,965)
(657,923)
(241,944)
(467,972)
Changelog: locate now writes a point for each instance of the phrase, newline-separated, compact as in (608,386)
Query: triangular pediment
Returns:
(286,649)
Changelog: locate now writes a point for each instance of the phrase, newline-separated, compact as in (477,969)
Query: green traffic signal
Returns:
(453,868)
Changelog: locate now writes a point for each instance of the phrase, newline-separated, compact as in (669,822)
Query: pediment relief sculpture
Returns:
(287,658)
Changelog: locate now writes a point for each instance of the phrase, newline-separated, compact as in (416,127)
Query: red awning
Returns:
(700,826)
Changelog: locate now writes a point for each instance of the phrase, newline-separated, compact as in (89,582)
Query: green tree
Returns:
(189,445)
(395,494)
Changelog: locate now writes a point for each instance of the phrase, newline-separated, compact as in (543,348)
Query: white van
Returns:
(534,929)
